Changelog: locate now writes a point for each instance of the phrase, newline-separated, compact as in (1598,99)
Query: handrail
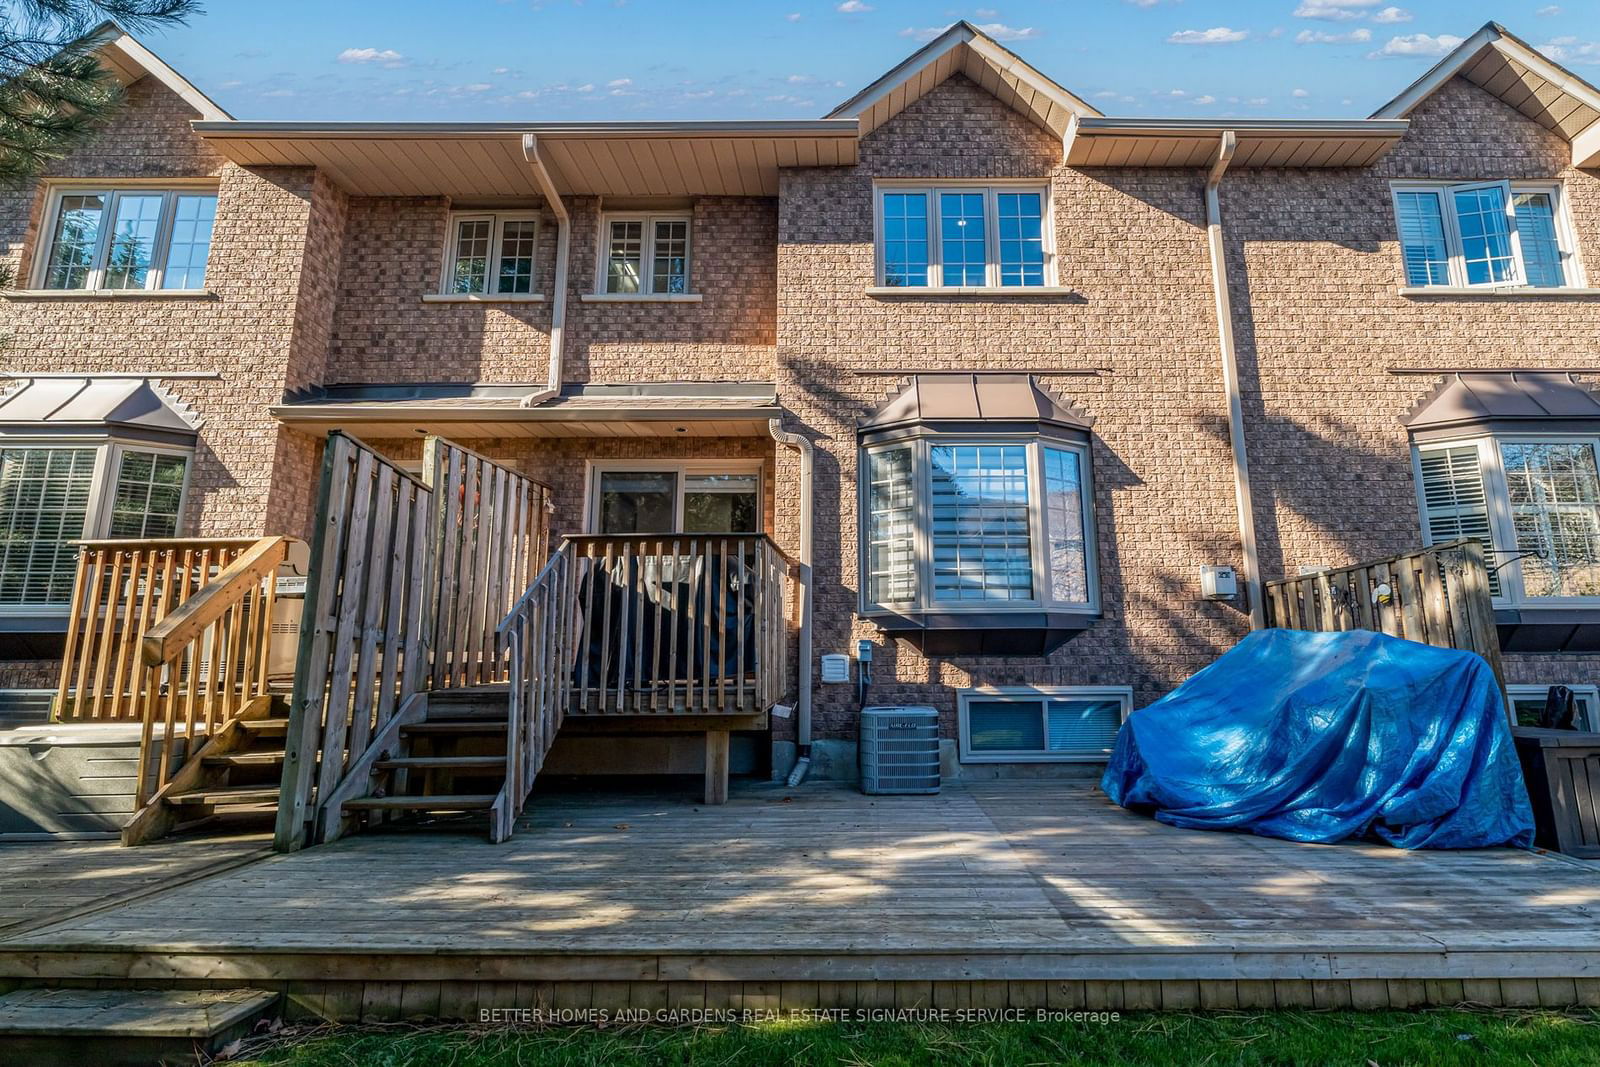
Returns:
(165,639)
(206,659)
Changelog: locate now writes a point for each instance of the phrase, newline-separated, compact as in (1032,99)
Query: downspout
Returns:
(1230,379)
(558,300)
(802,722)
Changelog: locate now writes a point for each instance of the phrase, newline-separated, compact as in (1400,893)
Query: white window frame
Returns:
(1588,693)
(112,192)
(1043,693)
(100,505)
(683,468)
(991,223)
(497,228)
(922,525)
(1502,523)
(1573,276)
(647,252)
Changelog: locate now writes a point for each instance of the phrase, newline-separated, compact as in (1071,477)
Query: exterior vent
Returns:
(899,750)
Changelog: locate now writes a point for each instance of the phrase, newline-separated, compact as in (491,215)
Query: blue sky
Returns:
(686,59)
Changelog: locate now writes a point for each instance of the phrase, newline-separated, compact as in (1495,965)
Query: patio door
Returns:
(683,498)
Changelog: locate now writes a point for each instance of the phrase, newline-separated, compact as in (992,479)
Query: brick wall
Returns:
(1132,245)
(1325,324)
(395,253)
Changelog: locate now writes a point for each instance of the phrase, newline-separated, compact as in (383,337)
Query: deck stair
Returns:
(127,1026)
(234,773)
(449,761)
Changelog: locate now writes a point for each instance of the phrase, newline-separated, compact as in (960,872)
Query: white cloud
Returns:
(1548,10)
(1391,15)
(1107,94)
(1333,10)
(386,57)
(987,13)
(853,7)
(1001,32)
(1258,101)
(798,79)
(793,16)
(1203,100)
(1572,50)
(619,83)
(1357,36)
(1142,3)
(1215,35)
(1416,44)
(1299,94)
(998,30)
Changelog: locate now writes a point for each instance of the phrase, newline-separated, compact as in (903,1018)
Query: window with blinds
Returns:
(1455,506)
(44,502)
(891,563)
(1485,234)
(981,545)
(1043,724)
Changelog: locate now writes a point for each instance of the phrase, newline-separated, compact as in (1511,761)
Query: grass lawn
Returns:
(1547,1039)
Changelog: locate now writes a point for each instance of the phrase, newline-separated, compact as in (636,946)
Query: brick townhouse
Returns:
(956,344)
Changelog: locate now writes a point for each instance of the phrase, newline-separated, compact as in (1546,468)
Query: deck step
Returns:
(265,727)
(126,1026)
(456,726)
(246,759)
(445,802)
(443,763)
(241,794)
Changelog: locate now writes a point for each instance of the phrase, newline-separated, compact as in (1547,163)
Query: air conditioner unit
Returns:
(899,750)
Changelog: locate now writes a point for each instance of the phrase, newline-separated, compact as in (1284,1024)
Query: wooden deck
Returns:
(822,895)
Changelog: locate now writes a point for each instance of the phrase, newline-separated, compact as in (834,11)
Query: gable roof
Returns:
(128,61)
(965,49)
(1501,63)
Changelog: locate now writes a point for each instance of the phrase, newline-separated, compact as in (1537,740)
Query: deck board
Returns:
(1021,879)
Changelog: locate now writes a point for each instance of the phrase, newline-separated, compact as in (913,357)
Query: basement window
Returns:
(963,236)
(1528,702)
(1040,724)
(491,254)
(126,239)
(1486,235)
(645,254)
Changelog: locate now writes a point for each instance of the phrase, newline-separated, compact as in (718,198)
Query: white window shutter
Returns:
(1455,506)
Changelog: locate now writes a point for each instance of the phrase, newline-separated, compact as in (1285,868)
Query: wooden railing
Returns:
(409,580)
(205,661)
(123,588)
(1437,596)
(492,537)
(538,635)
(363,642)
(679,624)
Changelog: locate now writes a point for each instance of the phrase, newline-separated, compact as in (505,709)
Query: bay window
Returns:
(963,236)
(1534,500)
(54,492)
(1485,234)
(126,239)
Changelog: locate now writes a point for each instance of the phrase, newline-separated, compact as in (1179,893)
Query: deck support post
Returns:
(717,766)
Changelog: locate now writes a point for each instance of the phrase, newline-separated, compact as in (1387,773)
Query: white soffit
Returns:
(128,61)
(486,159)
(965,49)
(1503,64)
(1113,142)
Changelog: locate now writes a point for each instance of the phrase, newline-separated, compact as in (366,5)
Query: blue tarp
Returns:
(1327,736)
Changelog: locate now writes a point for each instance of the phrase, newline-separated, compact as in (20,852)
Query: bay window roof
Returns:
(958,403)
(127,407)
(1505,402)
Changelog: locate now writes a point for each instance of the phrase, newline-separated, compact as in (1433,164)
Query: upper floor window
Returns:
(1485,234)
(491,254)
(136,238)
(53,494)
(645,254)
(963,236)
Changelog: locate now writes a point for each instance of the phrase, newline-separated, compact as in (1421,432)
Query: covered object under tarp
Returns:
(1327,736)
